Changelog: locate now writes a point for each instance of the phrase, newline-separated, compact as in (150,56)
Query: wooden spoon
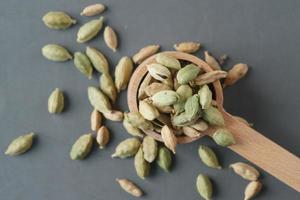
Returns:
(249,143)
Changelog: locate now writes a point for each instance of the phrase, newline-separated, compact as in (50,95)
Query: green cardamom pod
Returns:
(168,61)
(184,91)
(98,59)
(83,64)
(223,137)
(123,73)
(204,186)
(127,148)
(148,111)
(130,129)
(89,30)
(205,96)
(55,52)
(245,171)
(82,147)
(213,116)
(188,73)
(56,101)
(208,157)
(164,159)
(107,86)
(179,107)
(138,121)
(142,167)
(165,98)
(149,148)
(98,100)
(58,20)
(192,108)
(252,189)
(20,145)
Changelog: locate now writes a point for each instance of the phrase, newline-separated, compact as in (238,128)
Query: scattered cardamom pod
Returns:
(213,116)
(200,125)
(237,72)
(165,98)
(208,157)
(93,10)
(245,171)
(130,129)
(56,101)
(98,59)
(98,100)
(127,148)
(211,61)
(123,73)
(169,138)
(107,85)
(138,121)
(149,148)
(83,64)
(252,189)
(155,87)
(168,61)
(58,20)
(142,167)
(204,186)
(20,145)
(164,159)
(82,147)
(96,120)
(144,53)
(187,73)
(110,38)
(55,52)
(89,30)
(187,47)
(205,96)
(113,115)
(223,137)
(158,71)
(210,77)
(102,137)
(130,187)
(148,111)
(190,132)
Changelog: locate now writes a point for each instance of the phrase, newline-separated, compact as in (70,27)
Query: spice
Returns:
(20,145)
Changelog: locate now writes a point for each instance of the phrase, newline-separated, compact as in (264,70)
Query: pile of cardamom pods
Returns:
(175,98)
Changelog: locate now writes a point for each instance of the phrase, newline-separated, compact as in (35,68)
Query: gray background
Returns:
(264,34)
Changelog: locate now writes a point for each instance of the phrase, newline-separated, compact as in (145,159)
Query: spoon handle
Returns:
(264,153)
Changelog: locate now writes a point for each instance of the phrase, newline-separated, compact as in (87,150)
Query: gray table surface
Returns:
(264,34)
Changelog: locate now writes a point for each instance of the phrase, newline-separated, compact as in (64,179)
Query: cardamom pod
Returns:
(138,121)
(123,73)
(130,129)
(20,145)
(82,147)
(149,148)
(237,72)
(98,59)
(102,137)
(114,115)
(142,167)
(208,157)
(175,82)
(110,38)
(164,109)
(164,159)
(245,171)
(158,72)
(58,20)
(190,132)
(55,52)
(144,53)
(192,108)
(127,148)
(204,186)
(223,137)
(83,64)
(179,107)
(252,189)
(168,61)
(107,85)
(56,101)
(184,91)
(165,98)
(200,125)
(211,61)
(205,96)
(187,47)
(96,120)
(98,100)
(210,77)
(130,187)
(187,73)
(93,10)
(155,87)
(183,119)
(213,116)
(89,30)
(145,82)
(169,138)
(148,111)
